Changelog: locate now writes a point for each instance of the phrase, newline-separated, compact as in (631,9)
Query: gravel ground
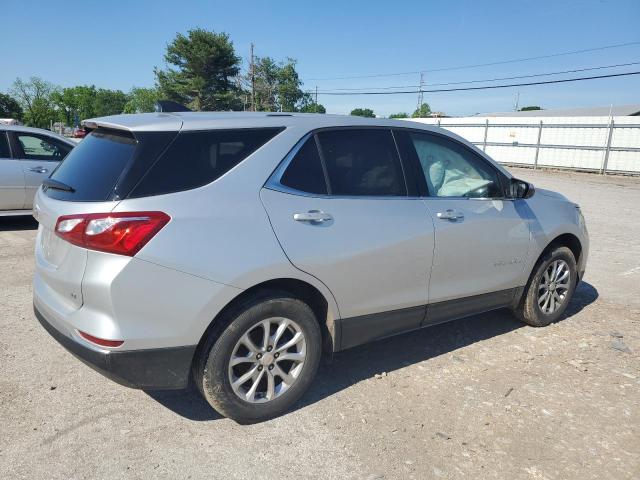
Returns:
(483,397)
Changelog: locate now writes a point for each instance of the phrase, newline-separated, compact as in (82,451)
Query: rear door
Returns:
(340,208)
(481,236)
(39,155)
(11,177)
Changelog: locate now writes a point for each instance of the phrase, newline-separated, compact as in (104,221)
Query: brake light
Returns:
(120,233)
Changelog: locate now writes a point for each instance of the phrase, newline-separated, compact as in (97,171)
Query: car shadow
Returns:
(387,355)
(22,222)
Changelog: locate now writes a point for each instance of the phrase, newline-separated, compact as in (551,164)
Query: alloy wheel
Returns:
(267,360)
(554,286)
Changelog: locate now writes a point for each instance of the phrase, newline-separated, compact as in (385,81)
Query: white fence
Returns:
(602,144)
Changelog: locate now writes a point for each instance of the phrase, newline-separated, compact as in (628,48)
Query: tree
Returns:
(277,86)
(529,108)
(422,111)
(142,100)
(109,102)
(34,97)
(9,107)
(313,107)
(75,103)
(363,112)
(201,69)
(399,115)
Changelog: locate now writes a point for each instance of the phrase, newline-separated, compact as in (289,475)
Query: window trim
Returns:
(6,136)
(19,154)
(417,168)
(273,183)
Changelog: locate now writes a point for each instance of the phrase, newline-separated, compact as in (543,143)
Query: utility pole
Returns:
(420,90)
(316,97)
(253,81)
(515,107)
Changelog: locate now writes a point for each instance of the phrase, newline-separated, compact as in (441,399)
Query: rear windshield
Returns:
(112,165)
(93,168)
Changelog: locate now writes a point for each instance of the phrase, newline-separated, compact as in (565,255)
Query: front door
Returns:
(39,156)
(342,214)
(481,238)
(11,178)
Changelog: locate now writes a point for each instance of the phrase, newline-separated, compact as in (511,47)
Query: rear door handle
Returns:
(38,170)
(450,215)
(312,216)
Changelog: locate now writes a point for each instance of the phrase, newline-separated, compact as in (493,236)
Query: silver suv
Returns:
(233,250)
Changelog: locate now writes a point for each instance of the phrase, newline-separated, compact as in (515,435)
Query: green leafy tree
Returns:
(363,112)
(9,107)
(277,86)
(109,102)
(399,115)
(530,108)
(312,107)
(422,111)
(35,99)
(142,100)
(75,103)
(200,73)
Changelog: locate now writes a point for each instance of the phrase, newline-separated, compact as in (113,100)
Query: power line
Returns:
(485,87)
(461,67)
(488,79)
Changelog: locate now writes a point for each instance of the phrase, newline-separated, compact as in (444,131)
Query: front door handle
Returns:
(450,215)
(312,216)
(38,170)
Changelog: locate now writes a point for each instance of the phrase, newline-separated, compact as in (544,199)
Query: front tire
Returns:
(262,362)
(550,288)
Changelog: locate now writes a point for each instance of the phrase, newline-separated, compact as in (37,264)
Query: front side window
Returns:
(39,147)
(453,171)
(305,173)
(362,162)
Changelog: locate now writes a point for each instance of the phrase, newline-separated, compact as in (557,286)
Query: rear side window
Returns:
(4,146)
(197,158)
(304,173)
(93,168)
(362,162)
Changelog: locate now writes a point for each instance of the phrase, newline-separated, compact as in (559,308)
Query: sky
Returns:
(117,44)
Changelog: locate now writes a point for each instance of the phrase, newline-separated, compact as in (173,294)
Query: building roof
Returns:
(616,111)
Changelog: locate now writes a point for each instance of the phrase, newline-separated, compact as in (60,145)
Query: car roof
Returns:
(41,131)
(185,121)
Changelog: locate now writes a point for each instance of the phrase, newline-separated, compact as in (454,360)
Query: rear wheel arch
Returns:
(296,288)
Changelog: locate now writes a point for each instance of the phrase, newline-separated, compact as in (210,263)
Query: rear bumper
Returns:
(149,369)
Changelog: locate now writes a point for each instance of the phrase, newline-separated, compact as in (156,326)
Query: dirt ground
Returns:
(479,398)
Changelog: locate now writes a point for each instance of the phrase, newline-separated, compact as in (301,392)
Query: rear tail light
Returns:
(120,233)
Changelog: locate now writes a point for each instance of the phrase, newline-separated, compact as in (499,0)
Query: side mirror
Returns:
(521,189)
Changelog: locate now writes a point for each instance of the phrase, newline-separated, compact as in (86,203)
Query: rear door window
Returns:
(362,162)
(41,147)
(305,173)
(197,158)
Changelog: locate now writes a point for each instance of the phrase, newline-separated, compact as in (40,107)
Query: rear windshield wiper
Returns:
(56,185)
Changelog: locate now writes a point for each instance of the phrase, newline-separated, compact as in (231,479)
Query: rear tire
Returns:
(550,288)
(272,383)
